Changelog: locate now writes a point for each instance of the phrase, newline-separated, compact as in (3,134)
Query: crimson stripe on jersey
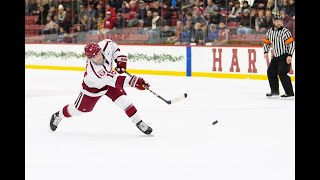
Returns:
(65,111)
(131,110)
(120,81)
(105,59)
(105,47)
(117,50)
(105,68)
(93,70)
(94,90)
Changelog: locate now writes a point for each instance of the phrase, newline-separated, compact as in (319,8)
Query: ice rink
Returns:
(253,140)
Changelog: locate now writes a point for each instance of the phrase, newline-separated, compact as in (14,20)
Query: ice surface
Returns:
(253,140)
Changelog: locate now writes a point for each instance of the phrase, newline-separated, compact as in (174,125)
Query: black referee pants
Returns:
(279,67)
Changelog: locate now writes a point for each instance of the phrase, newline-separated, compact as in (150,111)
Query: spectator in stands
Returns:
(134,21)
(78,36)
(142,12)
(244,27)
(198,17)
(85,24)
(198,35)
(188,5)
(62,2)
(197,7)
(267,21)
(100,10)
(212,35)
(259,22)
(259,4)
(50,27)
(156,8)
(270,5)
(99,24)
(253,16)
(186,34)
(245,5)
(55,19)
(176,4)
(147,7)
(177,31)
(222,4)
(287,21)
(124,8)
(120,22)
(190,18)
(291,9)
(210,8)
(52,12)
(82,12)
(42,16)
(68,20)
(284,6)
(166,13)
(148,20)
(91,13)
(111,9)
(165,33)
(108,23)
(208,18)
(236,11)
(223,32)
(116,4)
(157,21)
(33,8)
(217,17)
(61,14)
(229,7)
(46,6)
(132,6)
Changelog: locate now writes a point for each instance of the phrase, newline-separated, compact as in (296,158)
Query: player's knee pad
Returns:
(123,102)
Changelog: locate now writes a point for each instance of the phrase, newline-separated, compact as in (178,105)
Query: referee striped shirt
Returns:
(281,41)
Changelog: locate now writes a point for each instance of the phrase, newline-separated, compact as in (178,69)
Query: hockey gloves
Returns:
(138,83)
(121,64)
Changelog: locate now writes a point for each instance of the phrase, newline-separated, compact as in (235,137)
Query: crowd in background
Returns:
(165,21)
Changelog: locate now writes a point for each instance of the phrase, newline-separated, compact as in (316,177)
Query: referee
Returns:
(282,43)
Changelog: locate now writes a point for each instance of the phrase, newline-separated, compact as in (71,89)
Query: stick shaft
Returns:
(160,97)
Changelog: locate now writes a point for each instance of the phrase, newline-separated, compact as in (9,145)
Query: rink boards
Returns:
(199,61)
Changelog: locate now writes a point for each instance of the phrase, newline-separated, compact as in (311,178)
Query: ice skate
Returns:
(287,97)
(54,122)
(272,95)
(144,128)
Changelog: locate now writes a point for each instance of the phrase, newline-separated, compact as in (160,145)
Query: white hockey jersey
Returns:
(99,77)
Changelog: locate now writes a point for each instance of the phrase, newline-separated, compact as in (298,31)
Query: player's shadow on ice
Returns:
(101,136)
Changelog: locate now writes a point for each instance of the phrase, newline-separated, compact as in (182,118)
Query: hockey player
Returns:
(99,80)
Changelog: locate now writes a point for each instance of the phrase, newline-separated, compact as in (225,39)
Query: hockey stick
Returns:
(176,99)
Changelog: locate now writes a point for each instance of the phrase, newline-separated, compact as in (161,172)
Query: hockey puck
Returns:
(214,122)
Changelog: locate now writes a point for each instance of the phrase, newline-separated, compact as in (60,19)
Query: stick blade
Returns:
(179,98)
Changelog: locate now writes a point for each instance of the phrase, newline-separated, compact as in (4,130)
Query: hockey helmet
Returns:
(277,17)
(91,49)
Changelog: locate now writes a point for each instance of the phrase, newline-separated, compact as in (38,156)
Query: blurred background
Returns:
(172,22)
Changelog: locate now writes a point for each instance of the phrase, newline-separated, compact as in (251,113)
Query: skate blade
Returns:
(272,97)
(287,98)
(150,135)
(49,129)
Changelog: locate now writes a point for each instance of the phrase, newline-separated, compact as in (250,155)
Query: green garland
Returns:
(158,58)
(49,54)
(155,57)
